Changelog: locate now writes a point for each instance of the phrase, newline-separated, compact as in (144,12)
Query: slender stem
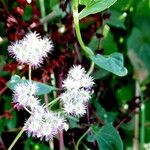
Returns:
(30,72)
(78,142)
(27,110)
(124,119)
(52,102)
(16,139)
(43,13)
(53,82)
(136,122)
(77,28)
(76,47)
(136,132)
(61,140)
(142,128)
(51,144)
(91,68)
(48,17)
(3,90)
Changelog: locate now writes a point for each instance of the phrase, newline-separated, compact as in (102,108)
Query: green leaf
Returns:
(27,13)
(108,42)
(42,88)
(100,74)
(106,116)
(94,43)
(139,53)
(112,63)
(108,138)
(73,122)
(94,6)
(53,3)
(117,19)
(125,93)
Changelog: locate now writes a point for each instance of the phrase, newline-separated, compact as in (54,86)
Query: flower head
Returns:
(43,124)
(24,95)
(77,93)
(77,78)
(31,50)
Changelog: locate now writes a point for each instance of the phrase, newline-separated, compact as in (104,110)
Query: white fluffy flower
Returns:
(24,95)
(43,124)
(74,101)
(77,109)
(31,50)
(77,78)
(78,91)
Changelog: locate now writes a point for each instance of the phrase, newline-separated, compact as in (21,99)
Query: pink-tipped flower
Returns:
(44,125)
(31,50)
(24,95)
(78,91)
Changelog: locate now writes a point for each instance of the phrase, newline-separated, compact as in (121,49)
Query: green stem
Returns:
(91,68)
(77,28)
(16,139)
(142,129)
(43,13)
(53,82)
(78,142)
(52,102)
(30,72)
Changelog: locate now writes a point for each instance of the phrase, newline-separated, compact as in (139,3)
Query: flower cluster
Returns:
(41,124)
(24,95)
(44,125)
(78,90)
(31,50)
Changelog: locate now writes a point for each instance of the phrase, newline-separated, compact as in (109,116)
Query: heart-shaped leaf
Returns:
(94,6)
(42,88)
(112,63)
(108,138)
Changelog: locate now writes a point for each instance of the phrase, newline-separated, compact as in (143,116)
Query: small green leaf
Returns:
(108,138)
(27,13)
(112,63)
(42,88)
(94,6)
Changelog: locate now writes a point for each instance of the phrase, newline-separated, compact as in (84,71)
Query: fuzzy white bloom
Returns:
(75,101)
(31,50)
(77,78)
(24,95)
(78,91)
(44,125)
